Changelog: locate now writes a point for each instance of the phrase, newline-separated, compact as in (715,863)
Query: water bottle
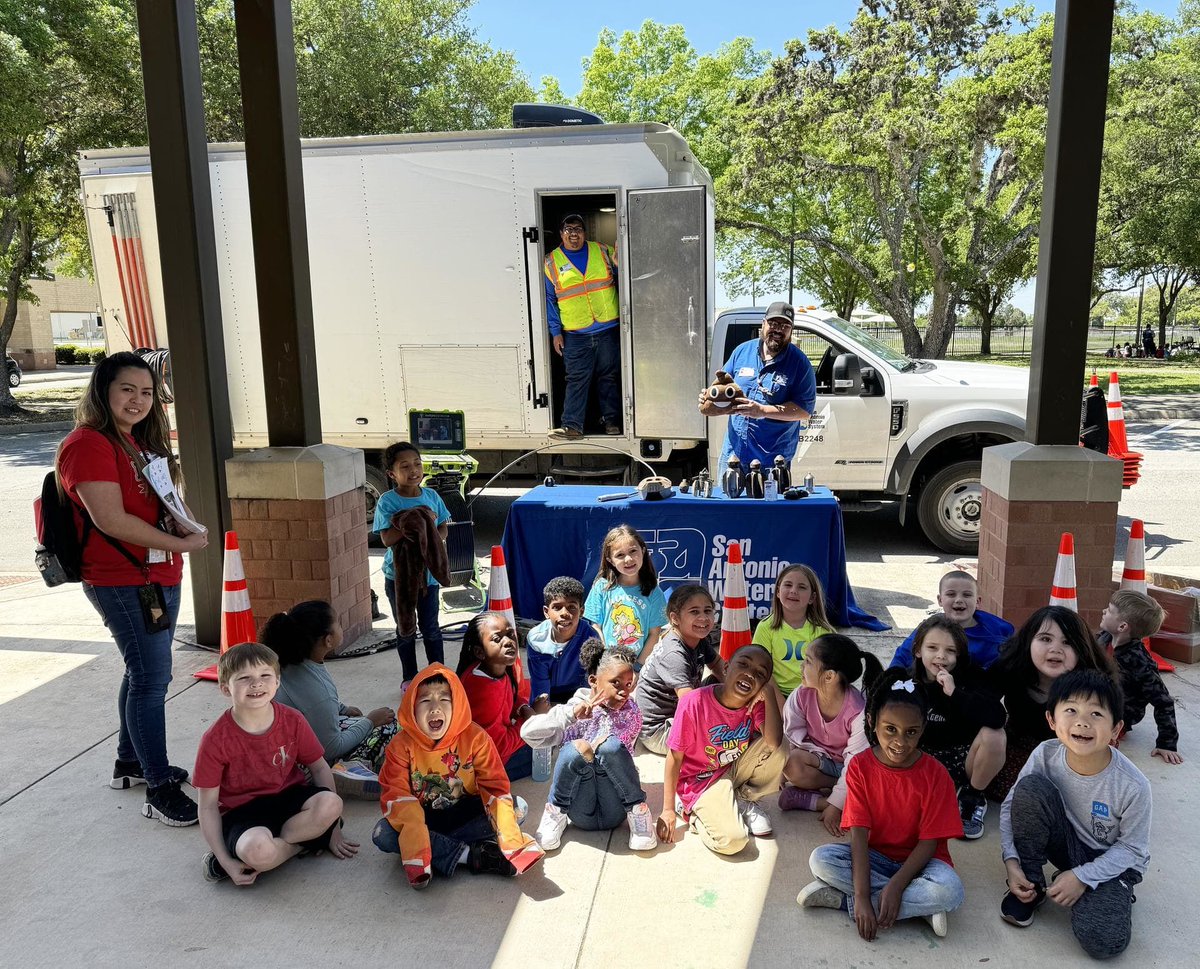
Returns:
(541,763)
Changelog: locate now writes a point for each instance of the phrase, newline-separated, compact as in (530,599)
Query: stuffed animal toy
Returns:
(724,392)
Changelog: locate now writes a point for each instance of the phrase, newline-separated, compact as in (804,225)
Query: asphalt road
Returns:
(1164,499)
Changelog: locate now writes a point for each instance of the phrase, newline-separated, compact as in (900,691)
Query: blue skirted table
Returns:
(559,531)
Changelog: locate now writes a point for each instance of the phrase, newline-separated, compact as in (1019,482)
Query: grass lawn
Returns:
(45,404)
(1139,378)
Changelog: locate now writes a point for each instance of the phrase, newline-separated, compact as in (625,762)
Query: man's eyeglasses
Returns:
(778,324)
(573,230)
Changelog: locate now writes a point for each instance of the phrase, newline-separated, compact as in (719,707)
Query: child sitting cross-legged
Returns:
(443,790)
(1082,806)
(257,810)
(725,753)
(900,811)
(1127,620)
(552,646)
(596,784)
(964,728)
(823,722)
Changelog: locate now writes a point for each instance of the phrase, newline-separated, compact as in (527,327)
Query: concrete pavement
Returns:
(90,882)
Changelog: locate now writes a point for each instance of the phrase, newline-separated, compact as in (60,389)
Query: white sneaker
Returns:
(641,828)
(937,921)
(550,830)
(756,819)
(817,894)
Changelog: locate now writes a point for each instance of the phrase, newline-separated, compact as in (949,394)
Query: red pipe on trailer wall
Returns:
(135,286)
(140,265)
(109,202)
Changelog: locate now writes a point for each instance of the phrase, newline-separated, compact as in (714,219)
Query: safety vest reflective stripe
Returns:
(583,301)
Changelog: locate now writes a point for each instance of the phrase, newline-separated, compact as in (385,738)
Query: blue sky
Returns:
(553,38)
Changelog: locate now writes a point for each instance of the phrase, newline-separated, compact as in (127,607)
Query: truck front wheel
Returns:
(950,507)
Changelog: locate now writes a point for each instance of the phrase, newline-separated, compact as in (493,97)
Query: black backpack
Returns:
(63,529)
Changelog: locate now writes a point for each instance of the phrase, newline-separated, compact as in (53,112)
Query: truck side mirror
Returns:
(847,374)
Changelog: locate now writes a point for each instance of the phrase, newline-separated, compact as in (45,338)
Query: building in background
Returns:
(66,312)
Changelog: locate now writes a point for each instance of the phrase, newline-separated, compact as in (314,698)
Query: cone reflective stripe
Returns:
(735,613)
(1062,593)
(1133,576)
(237,621)
(499,597)
(1118,444)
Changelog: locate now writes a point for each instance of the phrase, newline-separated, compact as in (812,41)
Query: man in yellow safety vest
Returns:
(583,316)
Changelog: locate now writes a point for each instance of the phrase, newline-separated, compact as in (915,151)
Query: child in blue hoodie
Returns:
(553,645)
(958,595)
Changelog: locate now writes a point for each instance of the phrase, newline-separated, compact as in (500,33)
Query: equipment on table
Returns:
(793,494)
(733,480)
(755,481)
(685,486)
(781,474)
(655,488)
(617,496)
(809,483)
(549,481)
(703,486)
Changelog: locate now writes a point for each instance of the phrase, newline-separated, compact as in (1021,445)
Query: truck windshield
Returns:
(891,357)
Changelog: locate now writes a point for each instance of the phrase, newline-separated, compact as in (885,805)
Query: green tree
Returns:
(66,73)
(1150,203)
(931,116)
(655,74)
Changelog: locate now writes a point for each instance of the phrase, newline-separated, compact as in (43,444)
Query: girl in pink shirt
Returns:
(823,723)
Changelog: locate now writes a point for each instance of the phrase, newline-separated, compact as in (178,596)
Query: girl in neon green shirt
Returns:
(797,618)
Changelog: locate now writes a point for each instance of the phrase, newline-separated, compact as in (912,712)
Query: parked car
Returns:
(14,371)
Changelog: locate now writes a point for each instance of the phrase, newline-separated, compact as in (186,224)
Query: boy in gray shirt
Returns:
(1082,806)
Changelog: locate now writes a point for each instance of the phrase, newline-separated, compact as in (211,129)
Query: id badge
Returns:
(155,556)
(154,608)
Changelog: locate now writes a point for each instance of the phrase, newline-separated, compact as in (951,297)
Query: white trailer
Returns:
(426,258)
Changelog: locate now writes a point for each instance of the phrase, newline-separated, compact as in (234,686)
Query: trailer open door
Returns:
(667,266)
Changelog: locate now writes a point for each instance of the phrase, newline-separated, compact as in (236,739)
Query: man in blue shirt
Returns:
(781,386)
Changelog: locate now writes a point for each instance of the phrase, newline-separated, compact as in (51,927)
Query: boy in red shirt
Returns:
(256,808)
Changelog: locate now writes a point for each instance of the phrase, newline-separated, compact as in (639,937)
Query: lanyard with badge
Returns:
(151,598)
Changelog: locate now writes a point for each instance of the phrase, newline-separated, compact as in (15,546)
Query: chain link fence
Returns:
(1017,341)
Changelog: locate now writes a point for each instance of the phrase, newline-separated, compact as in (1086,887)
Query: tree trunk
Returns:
(941,322)
(12,293)
(986,317)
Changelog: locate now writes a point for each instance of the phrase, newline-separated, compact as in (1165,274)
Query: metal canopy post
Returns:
(267,66)
(187,250)
(1074,146)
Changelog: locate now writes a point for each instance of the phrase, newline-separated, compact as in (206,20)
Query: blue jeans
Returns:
(427,622)
(596,796)
(444,849)
(585,355)
(520,764)
(936,889)
(141,701)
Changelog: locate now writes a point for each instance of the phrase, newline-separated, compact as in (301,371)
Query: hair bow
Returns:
(906,685)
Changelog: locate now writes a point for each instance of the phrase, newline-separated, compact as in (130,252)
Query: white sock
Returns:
(466,853)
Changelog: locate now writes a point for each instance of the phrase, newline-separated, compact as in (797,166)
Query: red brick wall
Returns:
(308,549)
(1018,549)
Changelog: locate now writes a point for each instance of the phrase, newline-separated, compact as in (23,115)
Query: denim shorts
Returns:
(829,767)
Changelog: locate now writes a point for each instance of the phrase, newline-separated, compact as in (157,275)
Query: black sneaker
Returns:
(1016,912)
(213,872)
(128,773)
(168,804)
(486,856)
(973,809)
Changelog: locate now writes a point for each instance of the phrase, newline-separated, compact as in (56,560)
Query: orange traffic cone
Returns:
(500,598)
(1133,576)
(237,619)
(1118,443)
(735,611)
(1062,593)
(1095,381)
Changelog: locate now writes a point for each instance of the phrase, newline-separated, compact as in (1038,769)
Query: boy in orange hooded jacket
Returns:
(445,796)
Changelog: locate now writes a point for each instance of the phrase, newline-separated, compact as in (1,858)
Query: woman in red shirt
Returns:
(132,564)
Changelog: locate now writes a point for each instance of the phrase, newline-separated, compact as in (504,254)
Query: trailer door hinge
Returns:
(543,400)
(530,234)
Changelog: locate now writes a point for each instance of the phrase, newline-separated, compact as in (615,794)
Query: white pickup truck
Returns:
(887,427)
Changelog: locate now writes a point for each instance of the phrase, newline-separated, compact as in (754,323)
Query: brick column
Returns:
(299,516)
(1031,495)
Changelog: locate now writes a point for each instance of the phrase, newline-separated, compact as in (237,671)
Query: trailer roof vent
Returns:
(551,116)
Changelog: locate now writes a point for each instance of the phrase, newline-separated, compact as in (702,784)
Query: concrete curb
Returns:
(1168,407)
(31,428)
